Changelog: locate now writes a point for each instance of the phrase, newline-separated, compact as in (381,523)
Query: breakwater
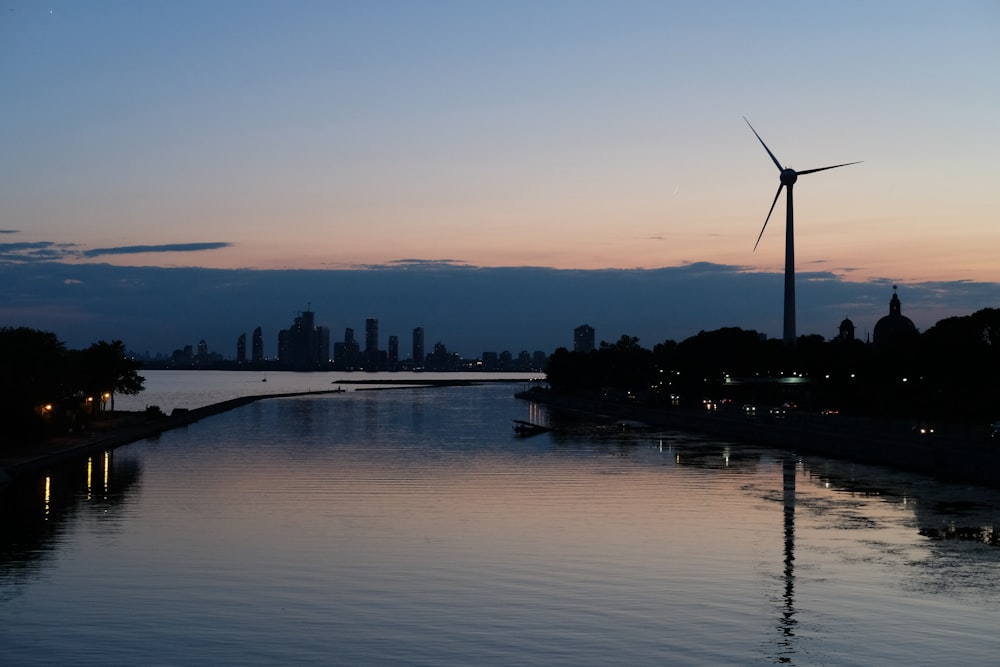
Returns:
(32,458)
(955,453)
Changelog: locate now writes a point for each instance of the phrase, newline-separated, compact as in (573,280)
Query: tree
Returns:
(104,369)
(32,365)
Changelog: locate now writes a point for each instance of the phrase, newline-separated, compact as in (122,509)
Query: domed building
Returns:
(846,331)
(894,328)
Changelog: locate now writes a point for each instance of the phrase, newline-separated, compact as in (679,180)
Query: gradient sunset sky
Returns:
(559,134)
(562,135)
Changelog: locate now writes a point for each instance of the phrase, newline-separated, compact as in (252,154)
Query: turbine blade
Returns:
(774,159)
(813,171)
(778,194)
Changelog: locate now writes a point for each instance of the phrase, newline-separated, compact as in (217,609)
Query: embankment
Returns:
(954,454)
(35,457)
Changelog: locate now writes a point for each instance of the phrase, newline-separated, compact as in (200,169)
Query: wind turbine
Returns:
(788,177)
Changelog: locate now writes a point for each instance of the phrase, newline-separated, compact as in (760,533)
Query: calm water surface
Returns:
(410,527)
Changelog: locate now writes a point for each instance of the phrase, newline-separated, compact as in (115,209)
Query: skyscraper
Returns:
(323,345)
(418,347)
(298,346)
(241,349)
(258,347)
(371,343)
(393,351)
(583,338)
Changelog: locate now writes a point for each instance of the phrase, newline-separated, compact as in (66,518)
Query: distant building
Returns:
(300,347)
(846,332)
(393,351)
(442,360)
(241,349)
(371,343)
(895,328)
(347,355)
(418,347)
(583,338)
(323,345)
(491,362)
(258,346)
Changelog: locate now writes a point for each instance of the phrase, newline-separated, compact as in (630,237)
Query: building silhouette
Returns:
(323,345)
(895,328)
(371,343)
(257,350)
(846,331)
(241,349)
(418,347)
(347,355)
(300,347)
(583,338)
(393,352)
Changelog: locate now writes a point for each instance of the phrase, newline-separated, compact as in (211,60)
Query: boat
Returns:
(524,429)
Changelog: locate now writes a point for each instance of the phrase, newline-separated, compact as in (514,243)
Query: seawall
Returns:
(955,455)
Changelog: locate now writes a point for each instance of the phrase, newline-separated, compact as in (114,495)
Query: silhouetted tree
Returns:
(105,369)
(32,375)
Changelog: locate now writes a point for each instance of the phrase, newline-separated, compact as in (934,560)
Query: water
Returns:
(410,527)
(194,389)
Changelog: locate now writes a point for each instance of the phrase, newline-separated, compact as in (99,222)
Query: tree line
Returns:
(950,371)
(46,389)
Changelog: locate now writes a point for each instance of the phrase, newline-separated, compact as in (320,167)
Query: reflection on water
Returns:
(412,527)
(787,622)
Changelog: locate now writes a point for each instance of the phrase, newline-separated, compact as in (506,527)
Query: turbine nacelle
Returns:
(789,176)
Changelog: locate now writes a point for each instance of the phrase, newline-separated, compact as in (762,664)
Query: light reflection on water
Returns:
(412,527)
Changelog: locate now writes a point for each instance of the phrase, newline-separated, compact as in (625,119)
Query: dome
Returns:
(894,326)
(846,330)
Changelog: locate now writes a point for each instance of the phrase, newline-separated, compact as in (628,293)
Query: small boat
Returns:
(524,429)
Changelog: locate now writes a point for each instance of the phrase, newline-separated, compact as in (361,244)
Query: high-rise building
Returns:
(583,338)
(393,351)
(418,347)
(258,346)
(371,343)
(323,345)
(241,349)
(491,362)
(299,346)
(346,355)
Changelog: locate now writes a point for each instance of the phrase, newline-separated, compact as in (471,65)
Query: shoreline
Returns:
(28,459)
(128,427)
(955,456)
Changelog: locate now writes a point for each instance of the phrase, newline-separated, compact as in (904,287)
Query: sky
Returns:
(576,144)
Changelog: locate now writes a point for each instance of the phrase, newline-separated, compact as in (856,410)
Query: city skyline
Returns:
(307,345)
(585,150)
(480,308)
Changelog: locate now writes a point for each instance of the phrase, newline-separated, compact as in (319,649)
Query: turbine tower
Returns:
(788,177)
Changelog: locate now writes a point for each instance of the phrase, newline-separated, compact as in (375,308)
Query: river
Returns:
(412,527)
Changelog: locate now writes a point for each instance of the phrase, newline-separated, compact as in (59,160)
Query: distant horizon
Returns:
(469,309)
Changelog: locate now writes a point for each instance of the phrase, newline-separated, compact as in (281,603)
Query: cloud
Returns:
(48,251)
(471,309)
(168,247)
(38,251)
(10,231)
(429,264)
